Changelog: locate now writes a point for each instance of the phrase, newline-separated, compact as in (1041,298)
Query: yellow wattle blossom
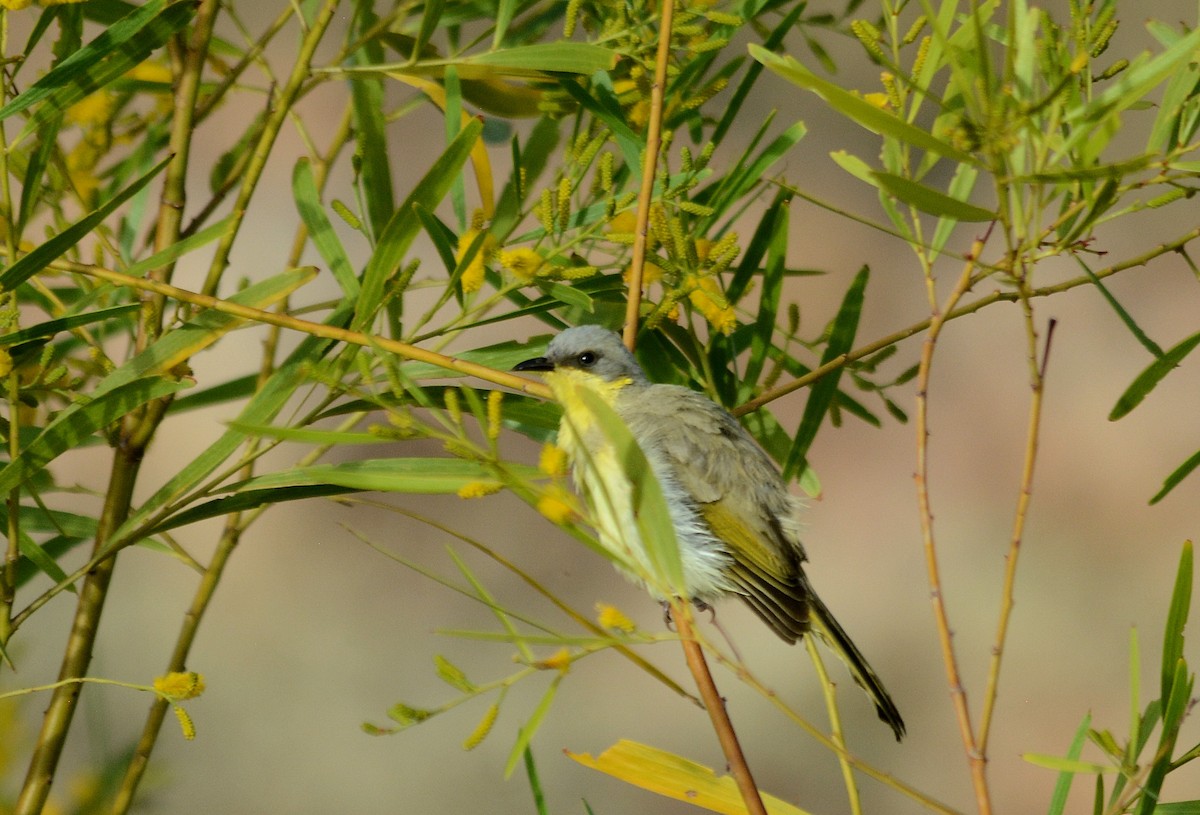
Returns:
(709,300)
(560,662)
(522,262)
(479,489)
(185,722)
(180,685)
(879,100)
(555,506)
(15,5)
(553,460)
(651,273)
(472,276)
(623,221)
(95,109)
(613,618)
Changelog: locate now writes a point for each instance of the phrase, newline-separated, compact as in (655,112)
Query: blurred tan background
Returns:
(313,633)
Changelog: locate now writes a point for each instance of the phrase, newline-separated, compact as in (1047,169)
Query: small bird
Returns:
(733,516)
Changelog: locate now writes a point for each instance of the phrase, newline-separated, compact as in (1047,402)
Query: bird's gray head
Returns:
(588,348)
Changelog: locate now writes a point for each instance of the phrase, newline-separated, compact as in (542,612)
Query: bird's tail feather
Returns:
(826,627)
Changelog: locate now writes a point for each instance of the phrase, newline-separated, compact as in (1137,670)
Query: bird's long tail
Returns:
(826,627)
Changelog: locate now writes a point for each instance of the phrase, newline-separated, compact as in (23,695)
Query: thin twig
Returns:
(1037,375)
(633,302)
(681,613)
(958,693)
(829,690)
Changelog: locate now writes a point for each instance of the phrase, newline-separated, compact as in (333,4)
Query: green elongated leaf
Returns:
(856,108)
(229,391)
(424,476)
(39,159)
(821,394)
(773,41)
(535,60)
(417,475)
(42,559)
(505,9)
(649,506)
(960,189)
(98,63)
(1174,709)
(400,231)
(604,106)
(244,502)
(528,164)
(1181,600)
(51,327)
(32,263)
(855,166)
(1178,808)
(1067,765)
(453,117)
(756,250)
(268,399)
(1151,376)
(762,338)
(181,248)
(531,727)
(80,63)
(746,174)
(1178,474)
(572,296)
(930,201)
(1129,88)
(74,425)
(308,203)
(1062,787)
(370,128)
(307,435)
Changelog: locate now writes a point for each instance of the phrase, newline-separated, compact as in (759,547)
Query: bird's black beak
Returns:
(535,364)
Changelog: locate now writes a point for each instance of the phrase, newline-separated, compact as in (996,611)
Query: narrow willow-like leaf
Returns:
(676,777)
(1067,765)
(76,424)
(1148,379)
(308,203)
(856,108)
(535,60)
(821,394)
(772,291)
(1062,787)
(51,327)
(244,502)
(930,201)
(404,224)
(29,265)
(530,727)
(424,476)
(180,248)
(79,65)
(370,127)
(649,506)
(1177,615)
(307,435)
(1178,474)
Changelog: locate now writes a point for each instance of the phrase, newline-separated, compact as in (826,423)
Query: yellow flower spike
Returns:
(479,489)
(553,460)
(6,362)
(15,5)
(651,273)
(703,249)
(555,506)
(180,685)
(613,618)
(495,415)
(483,728)
(473,276)
(185,722)
(523,263)
(93,110)
(560,662)
(709,300)
(624,221)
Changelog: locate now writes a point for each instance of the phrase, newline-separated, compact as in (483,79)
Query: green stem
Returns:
(281,107)
(56,721)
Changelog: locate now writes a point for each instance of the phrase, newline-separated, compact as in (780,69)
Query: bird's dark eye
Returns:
(587,359)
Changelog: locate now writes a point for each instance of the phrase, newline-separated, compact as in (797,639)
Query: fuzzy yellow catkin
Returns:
(606,171)
(868,35)
(452,405)
(915,30)
(563,202)
(546,211)
(571,16)
(483,728)
(185,722)
(1101,38)
(922,54)
(494,415)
